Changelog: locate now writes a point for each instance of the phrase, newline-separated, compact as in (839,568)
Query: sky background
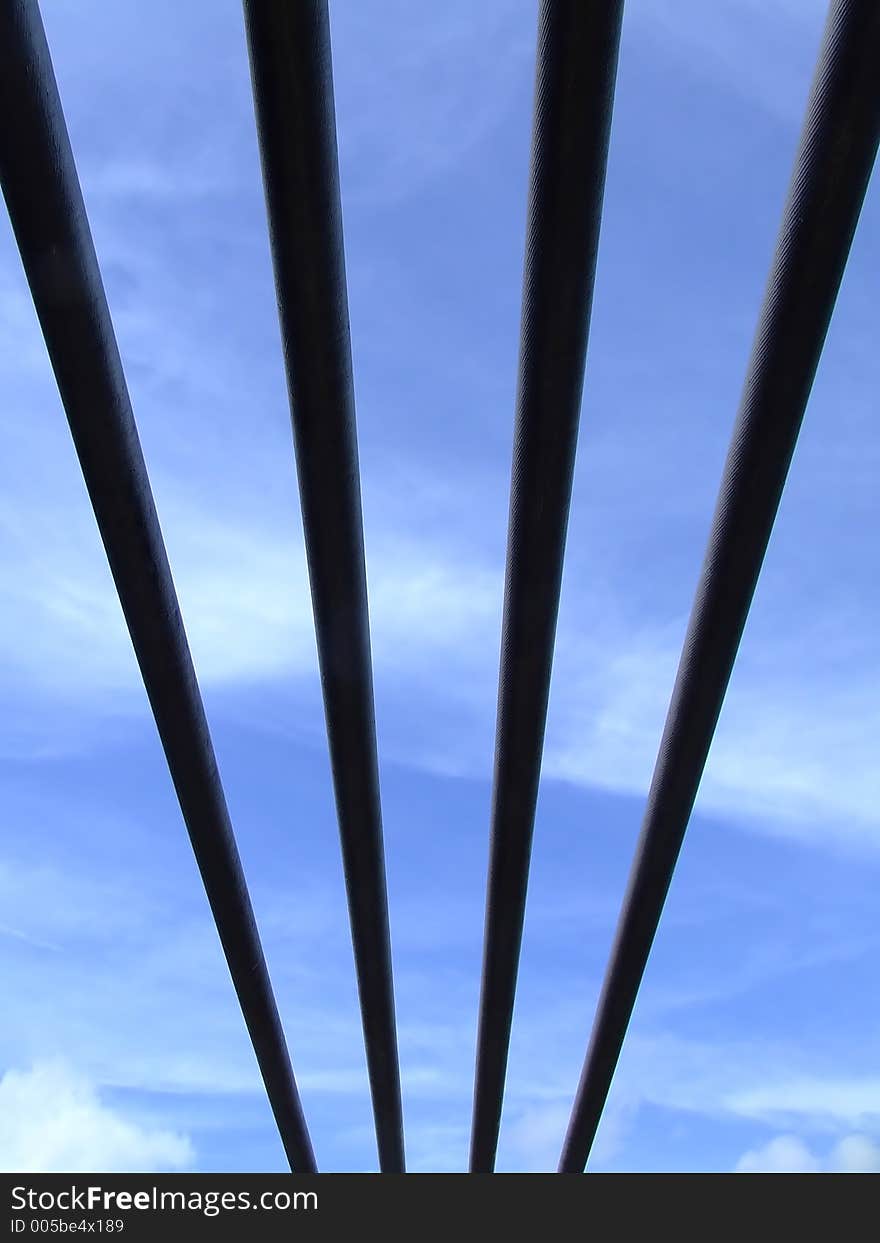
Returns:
(756,1039)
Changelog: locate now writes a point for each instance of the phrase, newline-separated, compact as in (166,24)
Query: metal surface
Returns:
(576,67)
(293,91)
(833,165)
(48,215)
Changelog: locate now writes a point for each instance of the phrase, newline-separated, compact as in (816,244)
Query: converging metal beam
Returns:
(578,44)
(289,47)
(833,165)
(48,216)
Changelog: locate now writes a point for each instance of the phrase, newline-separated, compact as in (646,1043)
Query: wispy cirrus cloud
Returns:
(795,744)
(108,951)
(692,1079)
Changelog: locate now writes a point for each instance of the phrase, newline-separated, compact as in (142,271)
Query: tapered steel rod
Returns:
(833,165)
(48,215)
(576,68)
(289,46)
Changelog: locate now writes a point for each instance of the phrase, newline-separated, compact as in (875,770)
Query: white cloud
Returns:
(725,1083)
(786,1154)
(778,759)
(536,1136)
(794,747)
(754,1082)
(52,1119)
(774,1085)
(794,750)
(245,599)
(848,1101)
(857,1154)
(795,743)
(154,964)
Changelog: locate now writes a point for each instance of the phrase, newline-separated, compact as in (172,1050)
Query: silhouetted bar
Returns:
(293,91)
(48,215)
(832,169)
(576,68)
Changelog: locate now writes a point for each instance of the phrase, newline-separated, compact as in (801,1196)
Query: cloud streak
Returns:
(794,752)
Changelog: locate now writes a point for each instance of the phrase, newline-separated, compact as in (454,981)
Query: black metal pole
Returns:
(837,151)
(48,215)
(289,46)
(578,44)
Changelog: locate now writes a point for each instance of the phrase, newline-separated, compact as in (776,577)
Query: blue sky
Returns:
(755,1041)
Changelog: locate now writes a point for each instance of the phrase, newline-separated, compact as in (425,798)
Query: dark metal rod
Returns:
(578,44)
(833,165)
(289,46)
(42,193)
